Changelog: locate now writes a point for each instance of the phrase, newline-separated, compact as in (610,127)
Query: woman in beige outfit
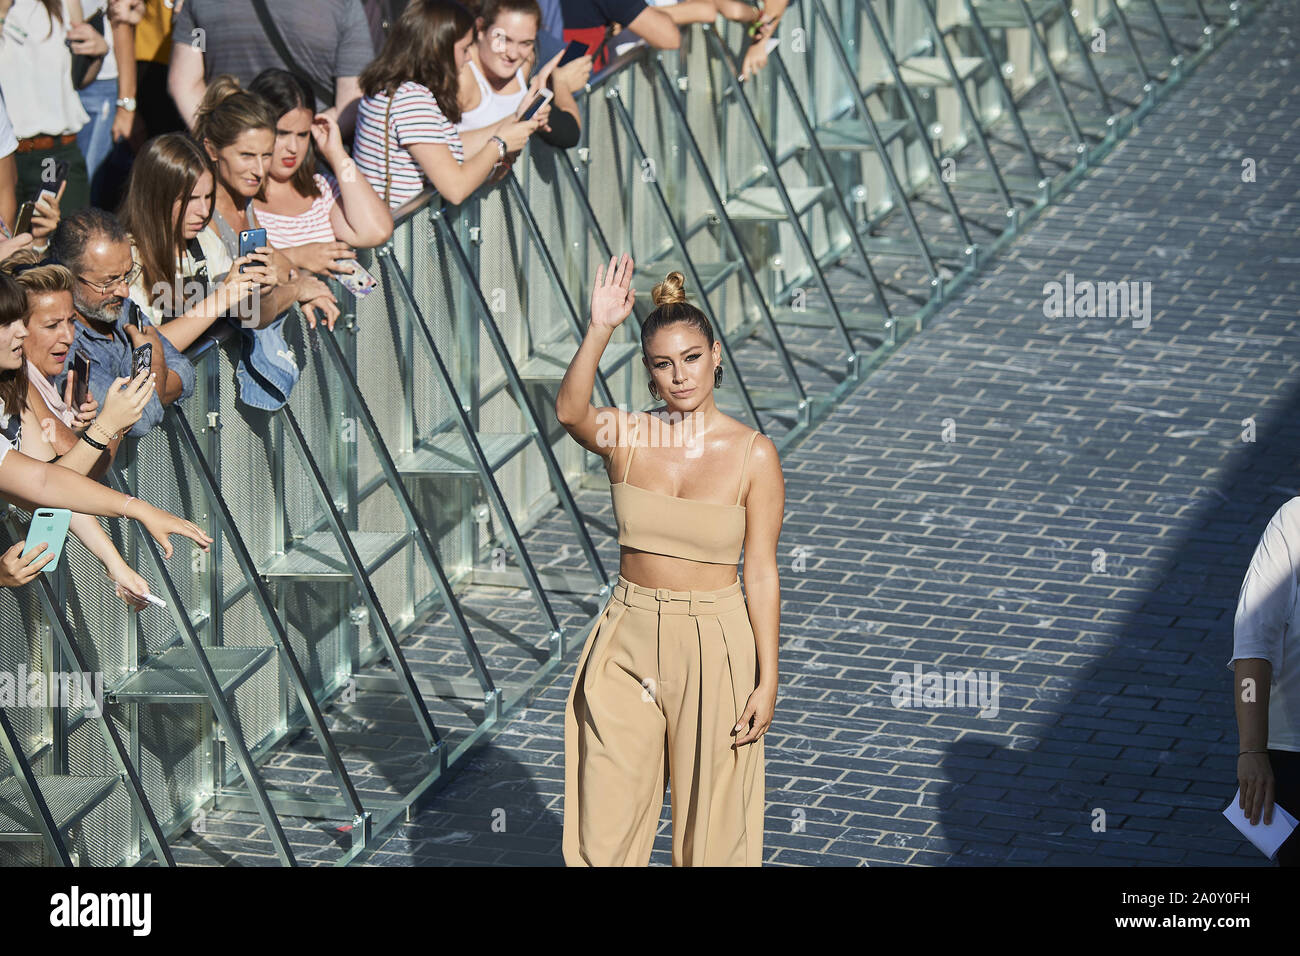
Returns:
(678,676)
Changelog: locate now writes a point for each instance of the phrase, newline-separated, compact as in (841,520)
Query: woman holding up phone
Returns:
(308,214)
(17,431)
(406,121)
(237,131)
(52,429)
(494,89)
(186,280)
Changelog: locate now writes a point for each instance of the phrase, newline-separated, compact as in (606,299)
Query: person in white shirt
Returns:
(37,42)
(1266,668)
(8,171)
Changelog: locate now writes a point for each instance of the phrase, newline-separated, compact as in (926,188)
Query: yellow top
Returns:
(153,35)
(681,527)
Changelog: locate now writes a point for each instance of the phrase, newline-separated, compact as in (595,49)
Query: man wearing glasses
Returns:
(97,250)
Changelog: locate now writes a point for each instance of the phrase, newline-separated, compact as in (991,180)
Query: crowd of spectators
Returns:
(141,141)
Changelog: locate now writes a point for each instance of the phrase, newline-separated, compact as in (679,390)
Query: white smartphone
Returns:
(542,99)
(147,598)
(358,280)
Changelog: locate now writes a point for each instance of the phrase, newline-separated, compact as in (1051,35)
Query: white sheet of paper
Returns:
(1266,838)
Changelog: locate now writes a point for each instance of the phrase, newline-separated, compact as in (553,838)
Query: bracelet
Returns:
(127,503)
(1251,752)
(91,442)
(102,430)
(501,145)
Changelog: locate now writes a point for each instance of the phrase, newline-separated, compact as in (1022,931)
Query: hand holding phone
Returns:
(80,379)
(541,100)
(17,568)
(357,279)
(23,223)
(573,51)
(250,240)
(49,528)
(51,189)
(142,359)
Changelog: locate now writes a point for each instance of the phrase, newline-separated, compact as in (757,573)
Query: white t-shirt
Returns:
(108,66)
(216,260)
(8,141)
(1267,626)
(36,73)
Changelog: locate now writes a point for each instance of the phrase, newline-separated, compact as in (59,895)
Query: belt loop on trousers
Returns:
(663,594)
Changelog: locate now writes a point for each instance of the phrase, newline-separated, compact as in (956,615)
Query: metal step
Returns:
(907,248)
(1007,15)
(763,203)
(869,320)
(549,362)
(850,132)
(1179,9)
(1055,119)
(69,799)
(931,71)
(320,556)
(173,676)
(712,274)
(983,181)
(447,454)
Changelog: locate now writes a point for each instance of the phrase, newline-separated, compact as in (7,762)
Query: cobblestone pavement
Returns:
(1066,504)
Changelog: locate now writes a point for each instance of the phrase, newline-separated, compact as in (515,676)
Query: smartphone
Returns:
(24,221)
(80,378)
(49,527)
(250,240)
(60,177)
(141,359)
(542,99)
(358,281)
(575,50)
(148,599)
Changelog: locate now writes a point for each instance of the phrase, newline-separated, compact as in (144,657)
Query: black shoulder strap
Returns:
(277,41)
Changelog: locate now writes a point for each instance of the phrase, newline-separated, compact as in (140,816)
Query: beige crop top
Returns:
(681,527)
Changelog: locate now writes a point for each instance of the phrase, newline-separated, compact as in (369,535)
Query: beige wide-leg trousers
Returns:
(661,682)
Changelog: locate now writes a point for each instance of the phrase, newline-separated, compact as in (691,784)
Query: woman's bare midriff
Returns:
(677,574)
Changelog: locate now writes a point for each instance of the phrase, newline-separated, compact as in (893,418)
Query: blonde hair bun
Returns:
(670,291)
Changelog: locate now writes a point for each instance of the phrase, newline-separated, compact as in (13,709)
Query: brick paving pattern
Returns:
(952,514)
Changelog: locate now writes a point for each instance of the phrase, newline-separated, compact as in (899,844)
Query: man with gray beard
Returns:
(97,250)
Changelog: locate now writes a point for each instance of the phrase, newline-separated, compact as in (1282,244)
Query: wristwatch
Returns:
(127,103)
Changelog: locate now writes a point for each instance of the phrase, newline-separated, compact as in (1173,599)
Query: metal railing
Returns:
(900,142)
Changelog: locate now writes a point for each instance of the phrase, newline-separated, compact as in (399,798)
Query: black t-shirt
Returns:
(581,14)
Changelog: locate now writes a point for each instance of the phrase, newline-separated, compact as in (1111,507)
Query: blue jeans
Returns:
(95,140)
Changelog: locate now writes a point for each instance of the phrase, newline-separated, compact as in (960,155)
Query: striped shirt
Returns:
(416,118)
(285,232)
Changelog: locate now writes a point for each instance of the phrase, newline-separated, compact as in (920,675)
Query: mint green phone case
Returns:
(49,526)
